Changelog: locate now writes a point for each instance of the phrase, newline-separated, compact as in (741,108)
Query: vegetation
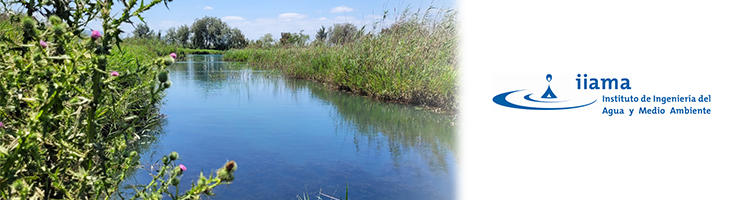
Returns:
(73,108)
(205,33)
(143,31)
(412,61)
(178,36)
(343,33)
(293,39)
(147,48)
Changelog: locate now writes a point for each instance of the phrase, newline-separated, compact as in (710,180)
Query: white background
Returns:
(665,48)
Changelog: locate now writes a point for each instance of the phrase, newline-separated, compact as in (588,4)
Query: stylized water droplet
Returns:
(549,77)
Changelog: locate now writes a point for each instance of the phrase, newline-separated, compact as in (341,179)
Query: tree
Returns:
(343,33)
(205,32)
(321,34)
(298,39)
(212,33)
(284,40)
(182,35)
(294,39)
(142,31)
(236,39)
(266,40)
(171,36)
(254,44)
(178,36)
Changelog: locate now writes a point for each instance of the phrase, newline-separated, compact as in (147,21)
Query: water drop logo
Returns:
(548,101)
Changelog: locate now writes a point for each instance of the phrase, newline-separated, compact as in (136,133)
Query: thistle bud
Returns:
(58,30)
(175,181)
(28,23)
(231,166)
(167,84)
(226,173)
(168,61)
(133,154)
(163,76)
(29,27)
(102,60)
(174,156)
(55,20)
(177,170)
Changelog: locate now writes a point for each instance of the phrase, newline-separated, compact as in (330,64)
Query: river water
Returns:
(290,137)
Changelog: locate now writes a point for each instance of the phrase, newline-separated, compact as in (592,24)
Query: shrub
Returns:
(71,112)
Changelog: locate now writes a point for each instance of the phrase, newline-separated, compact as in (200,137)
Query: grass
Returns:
(149,48)
(413,61)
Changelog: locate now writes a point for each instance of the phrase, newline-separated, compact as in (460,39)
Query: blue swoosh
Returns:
(528,97)
(500,100)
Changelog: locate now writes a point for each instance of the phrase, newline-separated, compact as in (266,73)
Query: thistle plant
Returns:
(73,114)
(169,175)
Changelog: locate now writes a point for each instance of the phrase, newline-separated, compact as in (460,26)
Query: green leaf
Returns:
(130,118)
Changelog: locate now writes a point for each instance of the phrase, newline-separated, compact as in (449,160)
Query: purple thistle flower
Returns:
(173,55)
(1,124)
(95,34)
(182,167)
(44,44)
(114,73)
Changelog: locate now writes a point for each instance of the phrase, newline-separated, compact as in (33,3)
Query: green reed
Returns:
(412,61)
(153,47)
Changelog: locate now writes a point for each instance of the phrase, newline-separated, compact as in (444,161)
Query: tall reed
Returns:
(414,61)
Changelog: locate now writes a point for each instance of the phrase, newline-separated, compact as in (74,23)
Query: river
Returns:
(290,137)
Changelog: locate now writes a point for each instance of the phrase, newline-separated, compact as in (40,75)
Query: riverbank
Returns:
(148,48)
(413,63)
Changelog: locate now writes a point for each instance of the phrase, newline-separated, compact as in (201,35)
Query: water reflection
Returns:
(291,136)
(396,127)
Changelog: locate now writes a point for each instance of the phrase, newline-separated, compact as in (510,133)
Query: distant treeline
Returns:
(410,59)
(212,33)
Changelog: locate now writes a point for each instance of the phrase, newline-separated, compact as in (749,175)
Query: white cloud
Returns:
(341,9)
(292,16)
(288,22)
(233,18)
(208,8)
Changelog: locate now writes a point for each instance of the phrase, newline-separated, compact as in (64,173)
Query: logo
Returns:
(548,100)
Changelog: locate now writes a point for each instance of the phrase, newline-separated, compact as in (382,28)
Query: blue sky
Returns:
(256,18)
